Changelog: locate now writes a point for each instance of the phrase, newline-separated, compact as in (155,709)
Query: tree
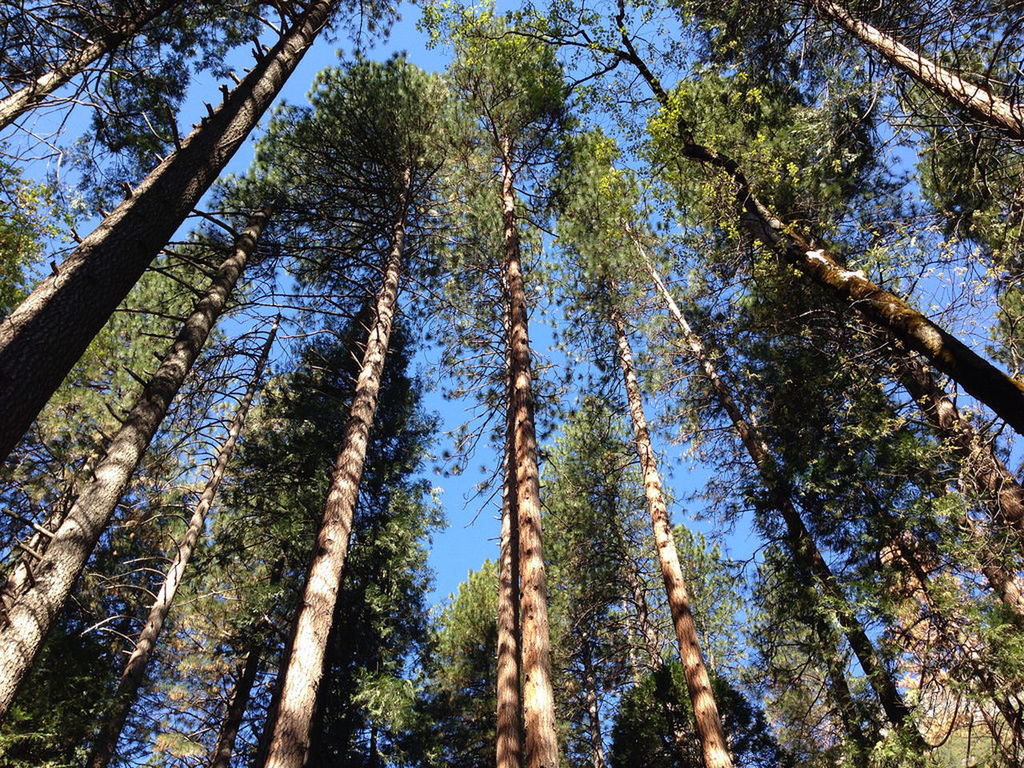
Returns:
(32,604)
(66,310)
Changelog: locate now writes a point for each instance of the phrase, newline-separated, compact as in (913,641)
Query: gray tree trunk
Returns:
(984,105)
(34,606)
(30,95)
(135,670)
(44,337)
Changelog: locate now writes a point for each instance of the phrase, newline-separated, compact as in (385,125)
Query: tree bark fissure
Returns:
(714,747)
(65,311)
(990,109)
(538,694)
(33,610)
(134,672)
(290,739)
(805,551)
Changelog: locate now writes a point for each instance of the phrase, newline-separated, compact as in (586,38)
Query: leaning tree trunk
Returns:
(34,607)
(538,694)
(289,742)
(990,109)
(31,94)
(508,736)
(232,723)
(1003,394)
(135,670)
(1004,496)
(805,552)
(44,337)
(705,711)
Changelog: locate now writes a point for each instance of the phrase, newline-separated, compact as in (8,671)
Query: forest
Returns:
(724,303)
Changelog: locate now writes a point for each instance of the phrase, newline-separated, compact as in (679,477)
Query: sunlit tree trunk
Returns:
(999,113)
(33,609)
(28,96)
(1003,394)
(509,704)
(538,695)
(135,670)
(44,337)
(290,740)
(805,552)
(705,710)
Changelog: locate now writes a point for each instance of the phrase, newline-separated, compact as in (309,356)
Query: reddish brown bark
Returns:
(290,739)
(990,109)
(134,672)
(44,337)
(509,697)
(34,608)
(714,747)
(538,695)
(805,552)
(1003,394)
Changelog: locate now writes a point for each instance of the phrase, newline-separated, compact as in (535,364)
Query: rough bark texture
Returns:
(1003,394)
(221,755)
(508,735)
(34,608)
(135,670)
(805,552)
(44,337)
(30,95)
(714,747)
(1006,116)
(289,743)
(538,696)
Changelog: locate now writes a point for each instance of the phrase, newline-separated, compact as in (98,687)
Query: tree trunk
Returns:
(289,742)
(44,337)
(1006,116)
(538,695)
(34,608)
(222,751)
(509,697)
(805,552)
(30,95)
(593,711)
(135,670)
(705,711)
(1003,394)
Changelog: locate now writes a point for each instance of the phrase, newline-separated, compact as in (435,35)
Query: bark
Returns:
(990,109)
(509,704)
(135,670)
(289,742)
(537,692)
(705,710)
(1003,394)
(805,552)
(44,337)
(34,608)
(593,711)
(222,751)
(30,95)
